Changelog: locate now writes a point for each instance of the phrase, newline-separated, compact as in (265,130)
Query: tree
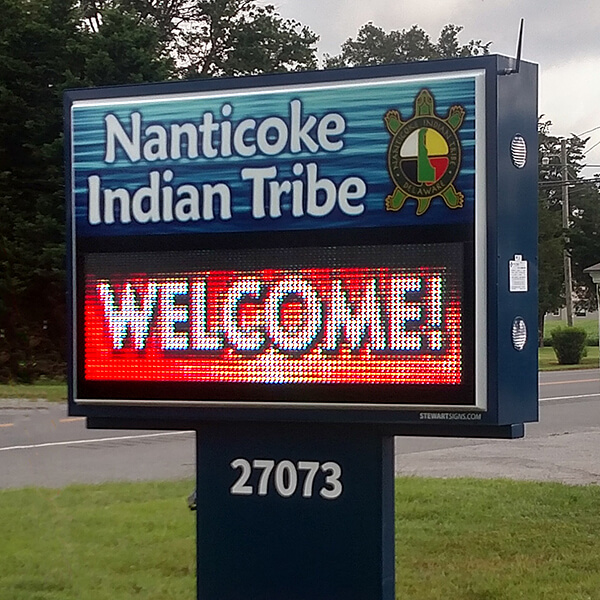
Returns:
(373,46)
(47,46)
(581,238)
(212,38)
(33,42)
(551,241)
(584,238)
(121,49)
(43,50)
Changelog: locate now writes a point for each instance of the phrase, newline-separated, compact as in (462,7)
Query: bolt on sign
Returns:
(326,246)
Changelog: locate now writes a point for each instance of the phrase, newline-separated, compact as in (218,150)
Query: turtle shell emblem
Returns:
(424,155)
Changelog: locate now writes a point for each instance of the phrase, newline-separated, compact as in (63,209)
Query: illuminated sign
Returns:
(350,325)
(319,242)
(382,316)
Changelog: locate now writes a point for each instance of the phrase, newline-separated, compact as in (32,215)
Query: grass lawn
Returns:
(456,539)
(52,392)
(548,362)
(106,542)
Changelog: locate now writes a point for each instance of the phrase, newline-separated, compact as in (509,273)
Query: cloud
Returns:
(562,37)
(568,94)
(554,29)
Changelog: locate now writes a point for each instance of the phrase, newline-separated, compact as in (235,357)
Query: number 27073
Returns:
(287,478)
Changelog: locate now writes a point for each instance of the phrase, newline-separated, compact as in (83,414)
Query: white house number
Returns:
(287,478)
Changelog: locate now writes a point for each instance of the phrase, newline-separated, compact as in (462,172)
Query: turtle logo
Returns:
(424,155)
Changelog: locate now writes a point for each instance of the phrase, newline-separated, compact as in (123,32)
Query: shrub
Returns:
(569,345)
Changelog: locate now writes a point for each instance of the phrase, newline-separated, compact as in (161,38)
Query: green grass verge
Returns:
(106,542)
(496,540)
(51,392)
(548,362)
(461,539)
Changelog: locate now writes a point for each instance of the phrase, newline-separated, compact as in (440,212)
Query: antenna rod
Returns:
(519,47)
(517,63)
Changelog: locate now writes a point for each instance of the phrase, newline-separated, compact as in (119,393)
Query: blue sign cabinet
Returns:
(299,267)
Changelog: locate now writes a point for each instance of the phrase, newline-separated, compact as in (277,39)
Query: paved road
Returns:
(41,445)
(563,446)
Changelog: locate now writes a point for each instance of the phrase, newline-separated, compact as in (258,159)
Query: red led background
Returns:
(322,325)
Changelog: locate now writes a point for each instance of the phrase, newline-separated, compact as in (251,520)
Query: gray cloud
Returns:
(561,36)
(555,30)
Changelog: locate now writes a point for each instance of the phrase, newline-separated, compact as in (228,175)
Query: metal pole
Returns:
(565,224)
(598,308)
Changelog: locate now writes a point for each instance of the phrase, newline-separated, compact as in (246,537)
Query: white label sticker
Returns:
(517,269)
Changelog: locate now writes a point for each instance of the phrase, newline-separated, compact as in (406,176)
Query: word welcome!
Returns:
(322,325)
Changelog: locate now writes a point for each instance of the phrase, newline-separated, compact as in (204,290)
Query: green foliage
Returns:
(43,50)
(590,324)
(123,50)
(260,42)
(373,46)
(212,38)
(569,344)
(34,42)
(463,539)
(551,242)
(584,239)
(547,360)
(581,239)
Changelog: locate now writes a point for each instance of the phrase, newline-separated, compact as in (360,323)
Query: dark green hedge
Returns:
(569,344)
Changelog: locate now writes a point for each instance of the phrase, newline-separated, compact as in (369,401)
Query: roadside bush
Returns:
(591,340)
(569,345)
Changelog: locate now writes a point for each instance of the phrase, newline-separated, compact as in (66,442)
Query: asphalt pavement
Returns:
(41,445)
(564,446)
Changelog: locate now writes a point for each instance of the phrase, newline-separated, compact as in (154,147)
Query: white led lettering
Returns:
(243,339)
(403,312)
(201,337)
(172,313)
(285,313)
(130,316)
(352,322)
(300,336)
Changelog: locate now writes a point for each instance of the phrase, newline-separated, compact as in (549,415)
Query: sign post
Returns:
(295,512)
(299,267)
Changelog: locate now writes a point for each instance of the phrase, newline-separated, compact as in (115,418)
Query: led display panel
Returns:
(388,317)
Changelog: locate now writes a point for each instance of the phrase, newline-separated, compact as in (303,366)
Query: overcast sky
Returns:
(562,36)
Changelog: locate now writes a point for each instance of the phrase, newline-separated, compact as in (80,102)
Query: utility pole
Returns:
(565,224)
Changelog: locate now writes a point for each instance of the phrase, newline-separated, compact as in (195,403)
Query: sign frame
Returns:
(506,106)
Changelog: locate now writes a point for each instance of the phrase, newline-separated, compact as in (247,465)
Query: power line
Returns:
(589,149)
(588,131)
(571,182)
